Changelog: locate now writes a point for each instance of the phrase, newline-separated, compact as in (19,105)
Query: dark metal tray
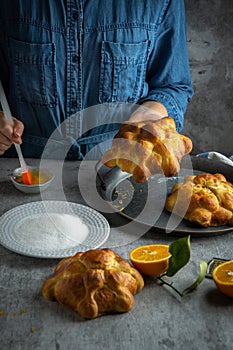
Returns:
(144,203)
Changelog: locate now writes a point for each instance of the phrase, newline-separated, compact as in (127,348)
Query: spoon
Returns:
(26,174)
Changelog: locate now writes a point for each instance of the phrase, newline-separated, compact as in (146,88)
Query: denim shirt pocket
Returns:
(33,72)
(123,71)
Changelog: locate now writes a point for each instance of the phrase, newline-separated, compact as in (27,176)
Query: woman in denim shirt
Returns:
(74,69)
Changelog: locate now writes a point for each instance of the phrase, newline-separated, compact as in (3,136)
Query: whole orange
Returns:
(152,260)
(223,277)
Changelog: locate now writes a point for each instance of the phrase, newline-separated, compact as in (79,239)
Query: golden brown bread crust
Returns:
(205,199)
(146,148)
(94,283)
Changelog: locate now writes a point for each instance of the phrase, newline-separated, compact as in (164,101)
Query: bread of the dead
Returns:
(205,199)
(94,283)
(146,148)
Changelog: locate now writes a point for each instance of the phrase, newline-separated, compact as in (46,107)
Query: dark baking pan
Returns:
(144,203)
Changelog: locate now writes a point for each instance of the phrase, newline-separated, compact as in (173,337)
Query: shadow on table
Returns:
(215,298)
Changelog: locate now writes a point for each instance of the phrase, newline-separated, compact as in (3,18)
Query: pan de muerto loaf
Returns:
(146,148)
(205,199)
(94,283)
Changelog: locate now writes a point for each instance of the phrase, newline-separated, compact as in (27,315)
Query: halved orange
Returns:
(223,277)
(152,260)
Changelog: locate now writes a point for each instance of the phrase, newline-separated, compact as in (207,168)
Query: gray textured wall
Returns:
(209,116)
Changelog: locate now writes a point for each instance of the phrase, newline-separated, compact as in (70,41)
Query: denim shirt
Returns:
(59,58)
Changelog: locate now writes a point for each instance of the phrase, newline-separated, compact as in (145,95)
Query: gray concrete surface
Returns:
(159,320)
(209,117)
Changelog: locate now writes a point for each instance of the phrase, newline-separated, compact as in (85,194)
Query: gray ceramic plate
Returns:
(130,199)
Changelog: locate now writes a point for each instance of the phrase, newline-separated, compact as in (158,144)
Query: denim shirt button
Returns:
(75,15)
(75,58)
(74,104)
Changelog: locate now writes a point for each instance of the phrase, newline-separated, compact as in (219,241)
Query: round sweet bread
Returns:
(204,199)
(147,148)
(94,283)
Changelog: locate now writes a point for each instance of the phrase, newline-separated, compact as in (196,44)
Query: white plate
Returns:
(52,229)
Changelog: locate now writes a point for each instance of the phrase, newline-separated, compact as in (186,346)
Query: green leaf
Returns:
(203,268)
(180,251)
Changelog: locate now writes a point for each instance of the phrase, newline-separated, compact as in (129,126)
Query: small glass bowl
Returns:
(41,179)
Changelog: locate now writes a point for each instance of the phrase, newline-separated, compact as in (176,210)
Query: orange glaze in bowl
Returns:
(39,176)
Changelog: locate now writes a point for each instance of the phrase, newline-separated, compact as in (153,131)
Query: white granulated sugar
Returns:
(53,231)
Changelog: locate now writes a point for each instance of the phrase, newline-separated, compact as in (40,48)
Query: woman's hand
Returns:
(9,134)
(149,110)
